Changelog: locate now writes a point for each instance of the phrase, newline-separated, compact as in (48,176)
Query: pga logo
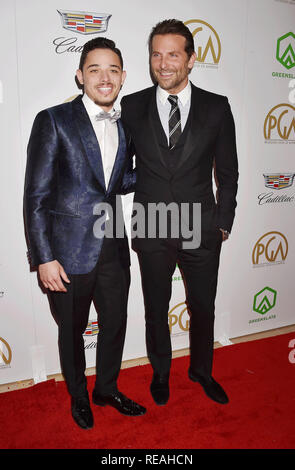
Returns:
(292,352)
(292,92)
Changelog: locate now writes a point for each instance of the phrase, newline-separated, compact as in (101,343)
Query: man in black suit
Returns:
(180,132)
(76,166)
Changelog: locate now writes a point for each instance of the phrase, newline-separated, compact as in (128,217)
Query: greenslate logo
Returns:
(285,53)
(177,277)
(264,300)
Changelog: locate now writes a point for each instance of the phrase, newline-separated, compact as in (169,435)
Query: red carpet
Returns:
(257,376)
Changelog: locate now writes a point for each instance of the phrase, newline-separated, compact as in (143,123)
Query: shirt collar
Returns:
(92,108)
(183,96)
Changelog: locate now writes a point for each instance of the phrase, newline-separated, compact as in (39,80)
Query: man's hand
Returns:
(225,234)
(51,274)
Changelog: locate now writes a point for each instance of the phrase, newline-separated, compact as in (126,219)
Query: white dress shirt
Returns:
(107,135)
(184,102)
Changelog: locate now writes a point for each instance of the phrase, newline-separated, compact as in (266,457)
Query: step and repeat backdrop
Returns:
(246,51)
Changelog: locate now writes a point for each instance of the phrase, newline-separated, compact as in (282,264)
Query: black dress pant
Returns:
(107,285)
(199,268)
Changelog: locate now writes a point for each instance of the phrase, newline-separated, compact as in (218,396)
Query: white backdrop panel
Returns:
(237,58)
(17,328)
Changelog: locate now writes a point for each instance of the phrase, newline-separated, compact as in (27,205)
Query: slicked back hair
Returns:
(99,43)
(173,26)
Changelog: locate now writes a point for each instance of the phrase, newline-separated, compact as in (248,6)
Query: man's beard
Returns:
(174,83)
(105,103)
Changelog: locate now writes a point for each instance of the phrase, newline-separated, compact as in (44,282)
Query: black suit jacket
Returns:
(208,141)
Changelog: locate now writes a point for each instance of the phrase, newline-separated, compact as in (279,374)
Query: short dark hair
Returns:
(99,43)
(173,26)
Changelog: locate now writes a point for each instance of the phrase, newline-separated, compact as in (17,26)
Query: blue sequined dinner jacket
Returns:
(64,183)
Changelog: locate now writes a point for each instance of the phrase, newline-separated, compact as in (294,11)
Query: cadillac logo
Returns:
(91,329)
(84,23)
(278,180)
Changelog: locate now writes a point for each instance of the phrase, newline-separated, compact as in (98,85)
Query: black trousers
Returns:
(107,285)
(199,268)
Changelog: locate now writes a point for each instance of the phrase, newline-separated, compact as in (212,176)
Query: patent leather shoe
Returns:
(212,389)
(160,389)
(120,402)
(81,412)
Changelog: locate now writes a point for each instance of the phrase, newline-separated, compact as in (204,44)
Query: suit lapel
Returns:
(156,122)
(193,129)
(120,157)
(89,140)
(158,133)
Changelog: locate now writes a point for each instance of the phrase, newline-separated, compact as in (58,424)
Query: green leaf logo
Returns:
(264,300)
(286,50)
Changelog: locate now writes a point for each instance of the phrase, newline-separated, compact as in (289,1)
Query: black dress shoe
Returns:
(81,412)
(119,401)
(160,389)
(212,389)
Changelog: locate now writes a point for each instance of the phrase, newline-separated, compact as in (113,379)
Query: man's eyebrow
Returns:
(169,52)
(98,65)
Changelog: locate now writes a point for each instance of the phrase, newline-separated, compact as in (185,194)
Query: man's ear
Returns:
(123,77)
(192,60)
(79,76)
